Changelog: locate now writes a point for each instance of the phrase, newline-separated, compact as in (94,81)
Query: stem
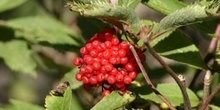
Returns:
(173,74)
(206,88)
(148,79)
(183,80)
(206,101)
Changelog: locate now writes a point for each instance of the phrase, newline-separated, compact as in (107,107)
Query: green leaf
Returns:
(172,92)
(17,56)
(214,107)
(164,6)
(9,4)
(114,101)
(20,105)
(66,102)
(176,46)
(70,77)
(129,3)
(185,16)
(41,29)
(120,16)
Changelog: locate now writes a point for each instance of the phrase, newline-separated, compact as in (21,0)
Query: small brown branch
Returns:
(183,80)
(207,100)
(206,87)
(173,74)
(148,79)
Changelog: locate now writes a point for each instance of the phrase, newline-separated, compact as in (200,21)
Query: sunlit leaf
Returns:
(114,101)
(41,29)
(10,4)
(164,6)
(172,92)
(70,77)
(66,102)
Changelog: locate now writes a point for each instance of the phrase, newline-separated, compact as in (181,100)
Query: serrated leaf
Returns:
(185,16)
(164,6)
(176,46)
(9,4)
(17,57)
(172,92)
(120,16)
(70,77)
(129,3)
(114,101)
(21,105)
(65,102)
(41,29)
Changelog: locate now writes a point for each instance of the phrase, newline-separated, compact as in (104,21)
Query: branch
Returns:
(206,87)
(173,74)
(206,101)
(148,79)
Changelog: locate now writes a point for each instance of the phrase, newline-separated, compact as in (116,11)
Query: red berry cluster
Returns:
(107,62)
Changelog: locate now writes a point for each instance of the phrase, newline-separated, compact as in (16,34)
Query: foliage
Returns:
(32,39)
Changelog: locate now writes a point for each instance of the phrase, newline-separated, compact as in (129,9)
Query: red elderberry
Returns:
(77,61)
(105,92)
(107,62)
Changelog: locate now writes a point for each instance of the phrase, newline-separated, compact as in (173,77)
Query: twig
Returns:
(148,79)
(183,80)
(209,98)
(206,87)
(173,74)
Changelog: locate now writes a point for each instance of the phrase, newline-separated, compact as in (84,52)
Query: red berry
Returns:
(119,77)
(93,80)
(115,41)
(120,84)
(122,53)
(77,61)
(106,54)
(88,59)
(96,43)
(78,76)
(108,37)
(100,77)
(132,74)
(89,68)
(82,70)
(112,60)
(108,44)
(104,61)
(124,60)
(108,67)
(129,67)
(124,45)
(102,70)
(85,80)
(83,51)
(89,46)
(93,53)
(127,80)
(113,72)
(111,79)
(96,66)
(105,92)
